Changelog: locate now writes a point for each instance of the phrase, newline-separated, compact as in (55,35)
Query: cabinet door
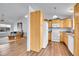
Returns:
(67,23)
(61,37)
(49,36)
(61,23)
(49,24)
(66,39)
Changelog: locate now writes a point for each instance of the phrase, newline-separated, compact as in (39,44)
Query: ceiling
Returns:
(14,11)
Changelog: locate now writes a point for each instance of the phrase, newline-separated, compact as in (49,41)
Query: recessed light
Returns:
(71,10)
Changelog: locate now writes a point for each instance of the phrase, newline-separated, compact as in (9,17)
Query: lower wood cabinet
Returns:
(49,36)
(64,38)
(61,37)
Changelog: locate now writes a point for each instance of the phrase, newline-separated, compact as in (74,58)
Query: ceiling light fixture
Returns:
(55,16)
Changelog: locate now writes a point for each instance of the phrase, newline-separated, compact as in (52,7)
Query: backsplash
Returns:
(60,29)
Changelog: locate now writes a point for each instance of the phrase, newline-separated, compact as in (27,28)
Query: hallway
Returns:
(19,49)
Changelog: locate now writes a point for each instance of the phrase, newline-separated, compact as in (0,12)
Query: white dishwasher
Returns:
(71,43)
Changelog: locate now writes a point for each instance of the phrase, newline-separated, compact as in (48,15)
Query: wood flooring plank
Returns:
(19,49)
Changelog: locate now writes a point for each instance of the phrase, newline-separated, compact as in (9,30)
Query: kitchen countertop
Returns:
(66,30)
(60,29)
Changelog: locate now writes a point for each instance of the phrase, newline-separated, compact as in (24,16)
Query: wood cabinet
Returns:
(56,21)
(61,23)
(49,23)
(36,28)
(67,22)
(66,39)
(61,37)
(76,30)
(49,36)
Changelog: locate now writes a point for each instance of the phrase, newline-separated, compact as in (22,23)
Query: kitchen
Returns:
(61,31)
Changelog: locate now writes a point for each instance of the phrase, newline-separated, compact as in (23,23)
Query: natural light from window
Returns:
(5,25)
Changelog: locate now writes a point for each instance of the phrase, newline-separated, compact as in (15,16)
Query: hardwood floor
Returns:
(19,49)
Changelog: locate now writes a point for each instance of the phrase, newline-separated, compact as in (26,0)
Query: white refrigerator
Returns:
(55,32)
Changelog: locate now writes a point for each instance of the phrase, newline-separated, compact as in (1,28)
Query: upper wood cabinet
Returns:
(49,23)
(56,21)
(67,22)
(36,28)
(61,23)
(76,29)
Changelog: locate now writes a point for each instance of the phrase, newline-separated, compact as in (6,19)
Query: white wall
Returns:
(28,28)
(25,25)
(12,28)
(45,34)
(15,27)
(28,34)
